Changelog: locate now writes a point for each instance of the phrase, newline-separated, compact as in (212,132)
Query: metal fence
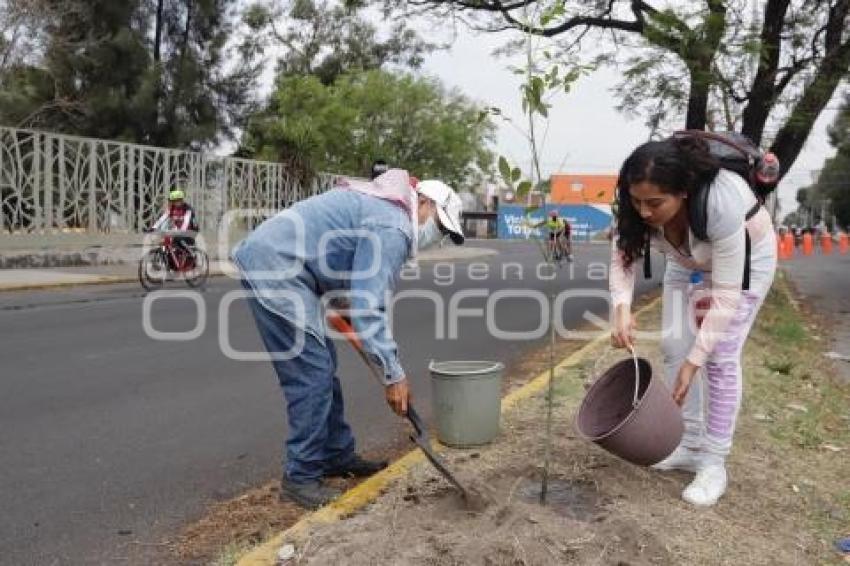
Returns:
(51,182)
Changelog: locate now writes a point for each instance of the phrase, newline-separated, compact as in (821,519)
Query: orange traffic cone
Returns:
(808,244)
(826,243)
(781,247)
(843,244)
(789,245)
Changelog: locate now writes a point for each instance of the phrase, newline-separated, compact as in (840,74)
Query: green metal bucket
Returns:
(467,401)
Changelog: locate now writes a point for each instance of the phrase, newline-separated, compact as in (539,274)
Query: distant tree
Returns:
(92,66)
(410,122)
(831,191)
(21,22)
(327,38)
(153,71)
(204,88)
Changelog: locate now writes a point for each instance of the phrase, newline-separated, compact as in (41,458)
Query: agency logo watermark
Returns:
(282,268)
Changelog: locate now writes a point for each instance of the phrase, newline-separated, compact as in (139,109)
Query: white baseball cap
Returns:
(449,206)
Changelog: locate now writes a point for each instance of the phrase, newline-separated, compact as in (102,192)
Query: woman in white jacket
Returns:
(702,362)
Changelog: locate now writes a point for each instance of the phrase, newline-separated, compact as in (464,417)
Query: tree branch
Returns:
(763,92)
(817,94)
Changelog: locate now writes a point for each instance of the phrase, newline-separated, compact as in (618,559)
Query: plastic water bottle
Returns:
(767,169)
(698,292)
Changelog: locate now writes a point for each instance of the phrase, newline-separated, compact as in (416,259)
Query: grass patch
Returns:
(803,409)
(231,554)
(789,332)
(782,367)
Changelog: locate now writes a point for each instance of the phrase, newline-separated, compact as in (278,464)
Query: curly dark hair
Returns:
(681,164)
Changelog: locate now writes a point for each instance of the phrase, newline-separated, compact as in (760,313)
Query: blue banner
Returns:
(586,220)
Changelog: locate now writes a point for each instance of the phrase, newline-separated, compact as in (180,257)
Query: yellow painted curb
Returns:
(102,280)
(367,491)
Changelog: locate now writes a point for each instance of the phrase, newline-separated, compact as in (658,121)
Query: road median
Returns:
(787,502)
(370,490)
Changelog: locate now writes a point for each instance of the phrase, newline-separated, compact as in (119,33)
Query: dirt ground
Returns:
(230,528)
(788,499)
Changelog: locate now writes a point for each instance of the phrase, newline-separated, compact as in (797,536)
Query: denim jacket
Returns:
(340,243)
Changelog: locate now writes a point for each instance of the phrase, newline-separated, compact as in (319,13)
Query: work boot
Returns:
(356,467)
(310,495)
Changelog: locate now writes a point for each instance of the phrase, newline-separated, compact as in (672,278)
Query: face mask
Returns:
(429,234)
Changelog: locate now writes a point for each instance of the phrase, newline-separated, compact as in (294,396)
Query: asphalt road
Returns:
(822,282)
(108,436)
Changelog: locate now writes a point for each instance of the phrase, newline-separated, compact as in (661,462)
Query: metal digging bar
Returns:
(420,437)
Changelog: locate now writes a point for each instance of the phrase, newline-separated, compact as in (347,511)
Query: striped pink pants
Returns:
(714,399)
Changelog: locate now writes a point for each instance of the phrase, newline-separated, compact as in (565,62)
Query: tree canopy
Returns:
(767,69)
(326,38)
(152,71)
(410,122)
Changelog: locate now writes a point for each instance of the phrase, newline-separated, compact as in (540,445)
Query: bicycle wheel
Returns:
(152,270)
(197,277)
(557,253)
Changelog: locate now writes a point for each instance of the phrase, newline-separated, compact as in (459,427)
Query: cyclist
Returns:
(567,238)
(179,216)
(556,231)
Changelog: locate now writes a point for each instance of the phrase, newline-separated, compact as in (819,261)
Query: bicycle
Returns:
(168,261)
(558,249)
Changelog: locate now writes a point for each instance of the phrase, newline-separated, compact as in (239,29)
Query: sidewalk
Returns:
(81,249)
(126,272)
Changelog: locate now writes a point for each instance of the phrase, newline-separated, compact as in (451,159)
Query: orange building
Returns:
(583,189)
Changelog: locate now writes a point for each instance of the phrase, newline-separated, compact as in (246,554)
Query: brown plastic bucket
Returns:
(631,414)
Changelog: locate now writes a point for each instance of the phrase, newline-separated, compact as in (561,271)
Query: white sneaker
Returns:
(708,486)
(682,458)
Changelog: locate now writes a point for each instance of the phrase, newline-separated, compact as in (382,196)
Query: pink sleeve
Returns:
(727,260)
(621,280)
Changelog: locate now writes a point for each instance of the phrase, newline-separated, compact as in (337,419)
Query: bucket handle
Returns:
(631,350)
(637,376)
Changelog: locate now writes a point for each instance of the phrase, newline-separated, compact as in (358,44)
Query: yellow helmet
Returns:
(176,194)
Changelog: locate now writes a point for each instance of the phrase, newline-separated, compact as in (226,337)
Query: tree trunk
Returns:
(834,67)
(697,115)
(157,38)
(763,93)
(178,79)
(157,58)
(699,58)
(791,138)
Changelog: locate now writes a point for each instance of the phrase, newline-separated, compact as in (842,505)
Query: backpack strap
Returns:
(698,212)
(749,246)
(647,264)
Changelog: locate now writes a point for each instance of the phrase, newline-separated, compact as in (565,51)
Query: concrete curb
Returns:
(87,280)
(368,491)
(456,254)
(101,280)
(469,254)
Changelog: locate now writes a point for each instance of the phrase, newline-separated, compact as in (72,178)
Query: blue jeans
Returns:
(319,437)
